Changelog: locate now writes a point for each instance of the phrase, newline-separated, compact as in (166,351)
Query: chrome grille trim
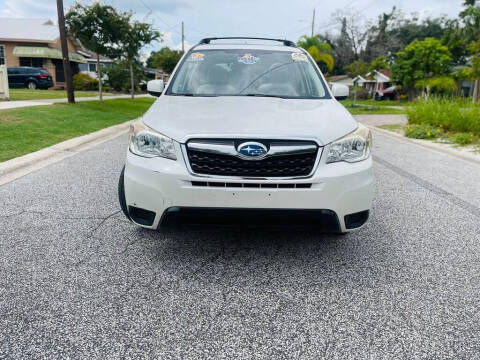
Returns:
(228,148)
(276,178)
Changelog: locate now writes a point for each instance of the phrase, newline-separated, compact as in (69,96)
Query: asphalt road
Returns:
(79,281)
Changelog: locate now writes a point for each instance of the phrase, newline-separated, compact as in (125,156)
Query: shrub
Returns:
(422,131)
(119,76)
(464,138)
(362,94)
(450,114)
(84,82)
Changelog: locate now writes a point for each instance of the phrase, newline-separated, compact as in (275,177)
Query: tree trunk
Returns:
(99,74)
(375,88)
(411,94)
(132,81)
(459,88)
(476,91)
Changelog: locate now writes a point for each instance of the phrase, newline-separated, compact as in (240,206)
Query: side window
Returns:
(2,55)
(92,67)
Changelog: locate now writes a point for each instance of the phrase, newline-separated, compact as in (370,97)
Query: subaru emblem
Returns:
(252,150)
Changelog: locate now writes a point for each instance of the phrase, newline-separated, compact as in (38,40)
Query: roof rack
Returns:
(208,40)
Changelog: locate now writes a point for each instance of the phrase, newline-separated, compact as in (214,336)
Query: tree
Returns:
(348,45)
(165,59)
(353,32)
(393,31)
(470,18)
(99,29)
(472,71)
(439,84)
(319,51)
(379,63)
(456,42)
(119,75)
(135,36)
(377,39)
(357,68)
(343,46)
(421,60)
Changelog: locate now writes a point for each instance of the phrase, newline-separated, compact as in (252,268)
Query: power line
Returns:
(154,13)
(169,27)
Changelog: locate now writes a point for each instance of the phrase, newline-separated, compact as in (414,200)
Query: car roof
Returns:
(231,46)
(24,67)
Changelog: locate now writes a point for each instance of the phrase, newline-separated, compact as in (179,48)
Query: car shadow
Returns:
(252,253)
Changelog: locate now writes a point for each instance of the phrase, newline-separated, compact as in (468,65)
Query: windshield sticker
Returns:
(196,56)
(299,57)
(248,59)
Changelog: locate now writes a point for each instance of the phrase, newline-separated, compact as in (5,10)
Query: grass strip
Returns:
(29,129)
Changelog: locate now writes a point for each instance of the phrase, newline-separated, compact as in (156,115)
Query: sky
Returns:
(262,18)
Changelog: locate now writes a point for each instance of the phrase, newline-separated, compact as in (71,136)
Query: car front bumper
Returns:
(161,185)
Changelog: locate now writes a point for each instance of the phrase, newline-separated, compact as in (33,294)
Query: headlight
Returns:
(149,143)
(352,147)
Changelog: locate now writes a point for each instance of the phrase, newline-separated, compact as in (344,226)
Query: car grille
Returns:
(286,165)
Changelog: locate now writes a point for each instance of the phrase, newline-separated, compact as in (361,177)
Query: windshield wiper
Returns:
(263,95)
(192,94)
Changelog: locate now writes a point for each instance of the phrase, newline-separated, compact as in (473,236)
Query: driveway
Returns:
(79,281)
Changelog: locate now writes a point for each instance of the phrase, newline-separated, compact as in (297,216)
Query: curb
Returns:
(431,145)
(15,168)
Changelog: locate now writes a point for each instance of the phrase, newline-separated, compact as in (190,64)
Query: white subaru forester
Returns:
(249,128)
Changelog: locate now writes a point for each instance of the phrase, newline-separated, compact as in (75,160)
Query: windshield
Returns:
(248,73)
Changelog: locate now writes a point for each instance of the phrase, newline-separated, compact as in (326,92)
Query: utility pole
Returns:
(313,22)
(183,40)
(66,62)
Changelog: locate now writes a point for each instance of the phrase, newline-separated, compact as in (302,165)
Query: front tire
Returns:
(121,193)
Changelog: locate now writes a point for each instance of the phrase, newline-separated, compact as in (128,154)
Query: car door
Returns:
(14,78)
(25,73)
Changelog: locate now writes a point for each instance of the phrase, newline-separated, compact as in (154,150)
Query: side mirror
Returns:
(340,91)
(155,87)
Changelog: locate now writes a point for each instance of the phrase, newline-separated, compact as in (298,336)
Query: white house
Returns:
(341,79)
(90,67)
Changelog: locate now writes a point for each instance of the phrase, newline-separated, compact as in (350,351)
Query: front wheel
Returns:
(121,194)
(31,85)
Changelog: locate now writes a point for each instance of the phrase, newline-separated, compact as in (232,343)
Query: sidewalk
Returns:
(5,105)
(374,121)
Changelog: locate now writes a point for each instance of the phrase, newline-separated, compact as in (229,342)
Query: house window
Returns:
(2,55)
(83,67)
(34,62)
(92,67)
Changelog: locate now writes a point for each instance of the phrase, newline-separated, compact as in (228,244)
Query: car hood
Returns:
(184,117)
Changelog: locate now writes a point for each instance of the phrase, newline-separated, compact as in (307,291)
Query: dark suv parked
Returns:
(29,77)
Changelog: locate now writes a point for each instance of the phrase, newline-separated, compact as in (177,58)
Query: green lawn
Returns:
(363,110)
(378,102)
(398,128)
(27,94)
(29,129)
(364,107)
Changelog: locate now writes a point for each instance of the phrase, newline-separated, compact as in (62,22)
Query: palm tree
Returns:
(319,51)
